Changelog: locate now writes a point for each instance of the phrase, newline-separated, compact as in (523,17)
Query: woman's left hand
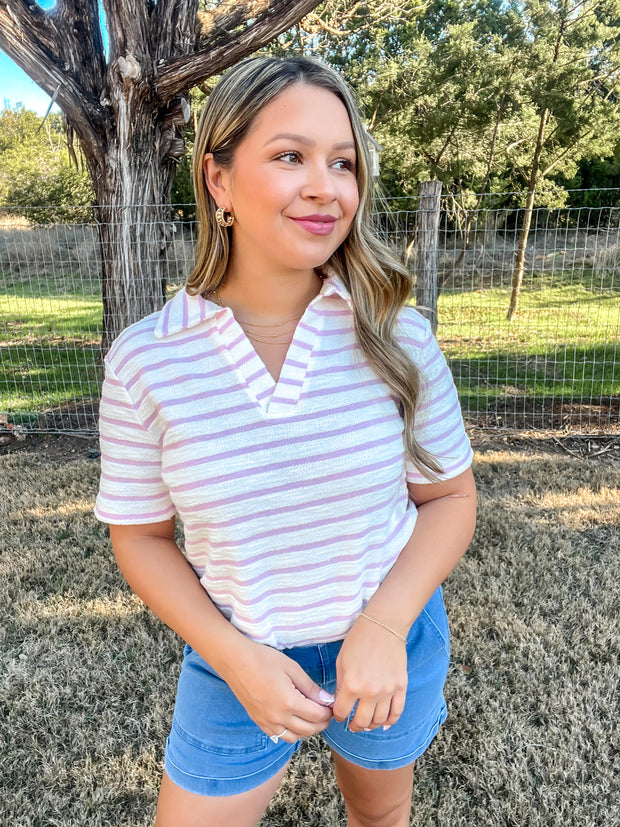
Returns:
(372,670)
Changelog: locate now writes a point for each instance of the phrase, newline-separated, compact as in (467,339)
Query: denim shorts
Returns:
(215,748)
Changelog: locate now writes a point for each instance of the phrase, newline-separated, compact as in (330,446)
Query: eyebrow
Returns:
(301,139)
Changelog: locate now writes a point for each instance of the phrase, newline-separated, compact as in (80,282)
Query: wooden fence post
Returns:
(426,249)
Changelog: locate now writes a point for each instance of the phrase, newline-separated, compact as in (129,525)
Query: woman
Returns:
(304,427)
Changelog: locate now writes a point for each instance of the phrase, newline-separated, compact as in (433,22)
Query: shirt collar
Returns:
(184,311)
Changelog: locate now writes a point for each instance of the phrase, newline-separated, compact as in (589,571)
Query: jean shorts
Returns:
(215,748)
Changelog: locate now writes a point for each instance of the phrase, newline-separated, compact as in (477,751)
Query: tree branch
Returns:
(218,53)
(31,38)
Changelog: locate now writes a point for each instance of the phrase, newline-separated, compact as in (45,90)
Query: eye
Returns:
(345,164)
(290,157)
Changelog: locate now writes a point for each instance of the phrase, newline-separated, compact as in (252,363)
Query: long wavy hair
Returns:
(378,282)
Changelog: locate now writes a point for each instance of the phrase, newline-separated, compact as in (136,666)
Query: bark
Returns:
(519,268)
(426,249)
(129,109)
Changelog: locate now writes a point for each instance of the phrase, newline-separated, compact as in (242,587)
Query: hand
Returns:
(277,694)
(372,670)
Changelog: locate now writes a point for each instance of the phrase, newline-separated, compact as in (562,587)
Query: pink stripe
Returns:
(230,320)
(144,517)
(141,499)
(297,606)
(185,309)
(287,509)
(320,481)
(442,416)
(334,561)
(137,463)
(336,350)
(434,399)
(277,466)
(200,417)
(159,345)
(153,481)
(194,397)
(267,424)
(112,440)
(117,422)
(368,383)
(333,518)
(188,377)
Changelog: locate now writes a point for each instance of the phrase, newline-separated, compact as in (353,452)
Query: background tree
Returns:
(36,169)
(128,106)
(572,83)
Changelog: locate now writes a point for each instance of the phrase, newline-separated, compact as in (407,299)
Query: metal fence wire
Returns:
(553,367)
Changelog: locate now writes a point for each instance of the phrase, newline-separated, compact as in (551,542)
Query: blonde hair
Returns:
(378,283)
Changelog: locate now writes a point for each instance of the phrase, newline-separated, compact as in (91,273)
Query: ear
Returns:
(216,180)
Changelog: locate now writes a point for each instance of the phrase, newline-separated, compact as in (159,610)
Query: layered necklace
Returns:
(267,334)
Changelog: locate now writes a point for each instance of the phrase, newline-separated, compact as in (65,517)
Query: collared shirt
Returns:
(293,493)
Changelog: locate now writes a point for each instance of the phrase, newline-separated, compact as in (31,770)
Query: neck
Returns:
(268,297)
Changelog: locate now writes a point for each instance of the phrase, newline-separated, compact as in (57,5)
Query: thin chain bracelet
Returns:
(383,626)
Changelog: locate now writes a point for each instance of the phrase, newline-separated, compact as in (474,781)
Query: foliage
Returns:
(36,171)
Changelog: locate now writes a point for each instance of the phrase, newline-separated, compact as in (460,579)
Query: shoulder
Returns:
(132,342)
(413,332)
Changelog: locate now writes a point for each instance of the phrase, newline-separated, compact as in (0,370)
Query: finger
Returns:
(381,714)
(363,717)
(343,705)
(396,708)
(311,690)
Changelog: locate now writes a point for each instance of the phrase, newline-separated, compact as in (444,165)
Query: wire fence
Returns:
(553,367)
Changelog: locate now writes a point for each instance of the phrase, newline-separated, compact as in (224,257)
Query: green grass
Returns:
(560,345)
(50,350)
(560,348)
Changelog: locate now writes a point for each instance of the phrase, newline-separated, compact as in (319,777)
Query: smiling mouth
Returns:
(316,224)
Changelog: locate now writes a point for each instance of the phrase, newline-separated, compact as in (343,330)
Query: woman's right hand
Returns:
(277,694)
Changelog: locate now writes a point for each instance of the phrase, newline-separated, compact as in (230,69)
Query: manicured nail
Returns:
(387,726)
(325,697)
(367,729)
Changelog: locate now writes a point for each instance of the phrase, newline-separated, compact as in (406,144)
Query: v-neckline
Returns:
(275,398)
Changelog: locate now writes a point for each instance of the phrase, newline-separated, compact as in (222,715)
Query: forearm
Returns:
(160,575)
(442,533)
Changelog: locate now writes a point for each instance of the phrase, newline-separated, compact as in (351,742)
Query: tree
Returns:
(572,83)
(127,105)
(36,169)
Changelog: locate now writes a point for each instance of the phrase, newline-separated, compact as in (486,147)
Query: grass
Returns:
(87,674)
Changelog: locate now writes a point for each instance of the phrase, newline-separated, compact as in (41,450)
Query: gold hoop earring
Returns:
(224,217)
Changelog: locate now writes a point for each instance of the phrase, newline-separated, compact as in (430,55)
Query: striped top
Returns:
(292,493)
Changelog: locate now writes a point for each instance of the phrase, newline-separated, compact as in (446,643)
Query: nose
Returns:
(319,184)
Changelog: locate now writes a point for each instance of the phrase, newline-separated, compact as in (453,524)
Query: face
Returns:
(292,187)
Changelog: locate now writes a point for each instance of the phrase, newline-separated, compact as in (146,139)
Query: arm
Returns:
(372,663)
(274,690)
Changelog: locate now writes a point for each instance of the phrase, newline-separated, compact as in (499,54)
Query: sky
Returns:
(16,86)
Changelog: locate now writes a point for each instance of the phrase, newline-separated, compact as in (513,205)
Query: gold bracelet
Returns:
(383,626)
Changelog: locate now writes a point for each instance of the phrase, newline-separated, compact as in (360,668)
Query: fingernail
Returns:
(367,729)
(387,726)
(325,697)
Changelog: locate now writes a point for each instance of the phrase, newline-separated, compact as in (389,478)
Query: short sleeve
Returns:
(131,490)
(439,424)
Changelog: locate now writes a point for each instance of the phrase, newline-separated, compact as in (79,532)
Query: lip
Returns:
(316,224)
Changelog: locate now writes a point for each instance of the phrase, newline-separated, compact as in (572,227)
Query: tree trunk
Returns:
(133,216)
(517,275)
(426,250)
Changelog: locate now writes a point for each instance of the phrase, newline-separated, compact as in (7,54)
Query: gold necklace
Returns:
(245,324)
(267,342)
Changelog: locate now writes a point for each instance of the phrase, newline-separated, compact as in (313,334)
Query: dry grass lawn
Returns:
(87,675)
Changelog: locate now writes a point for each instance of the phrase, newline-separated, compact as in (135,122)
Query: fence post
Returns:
(426,249)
